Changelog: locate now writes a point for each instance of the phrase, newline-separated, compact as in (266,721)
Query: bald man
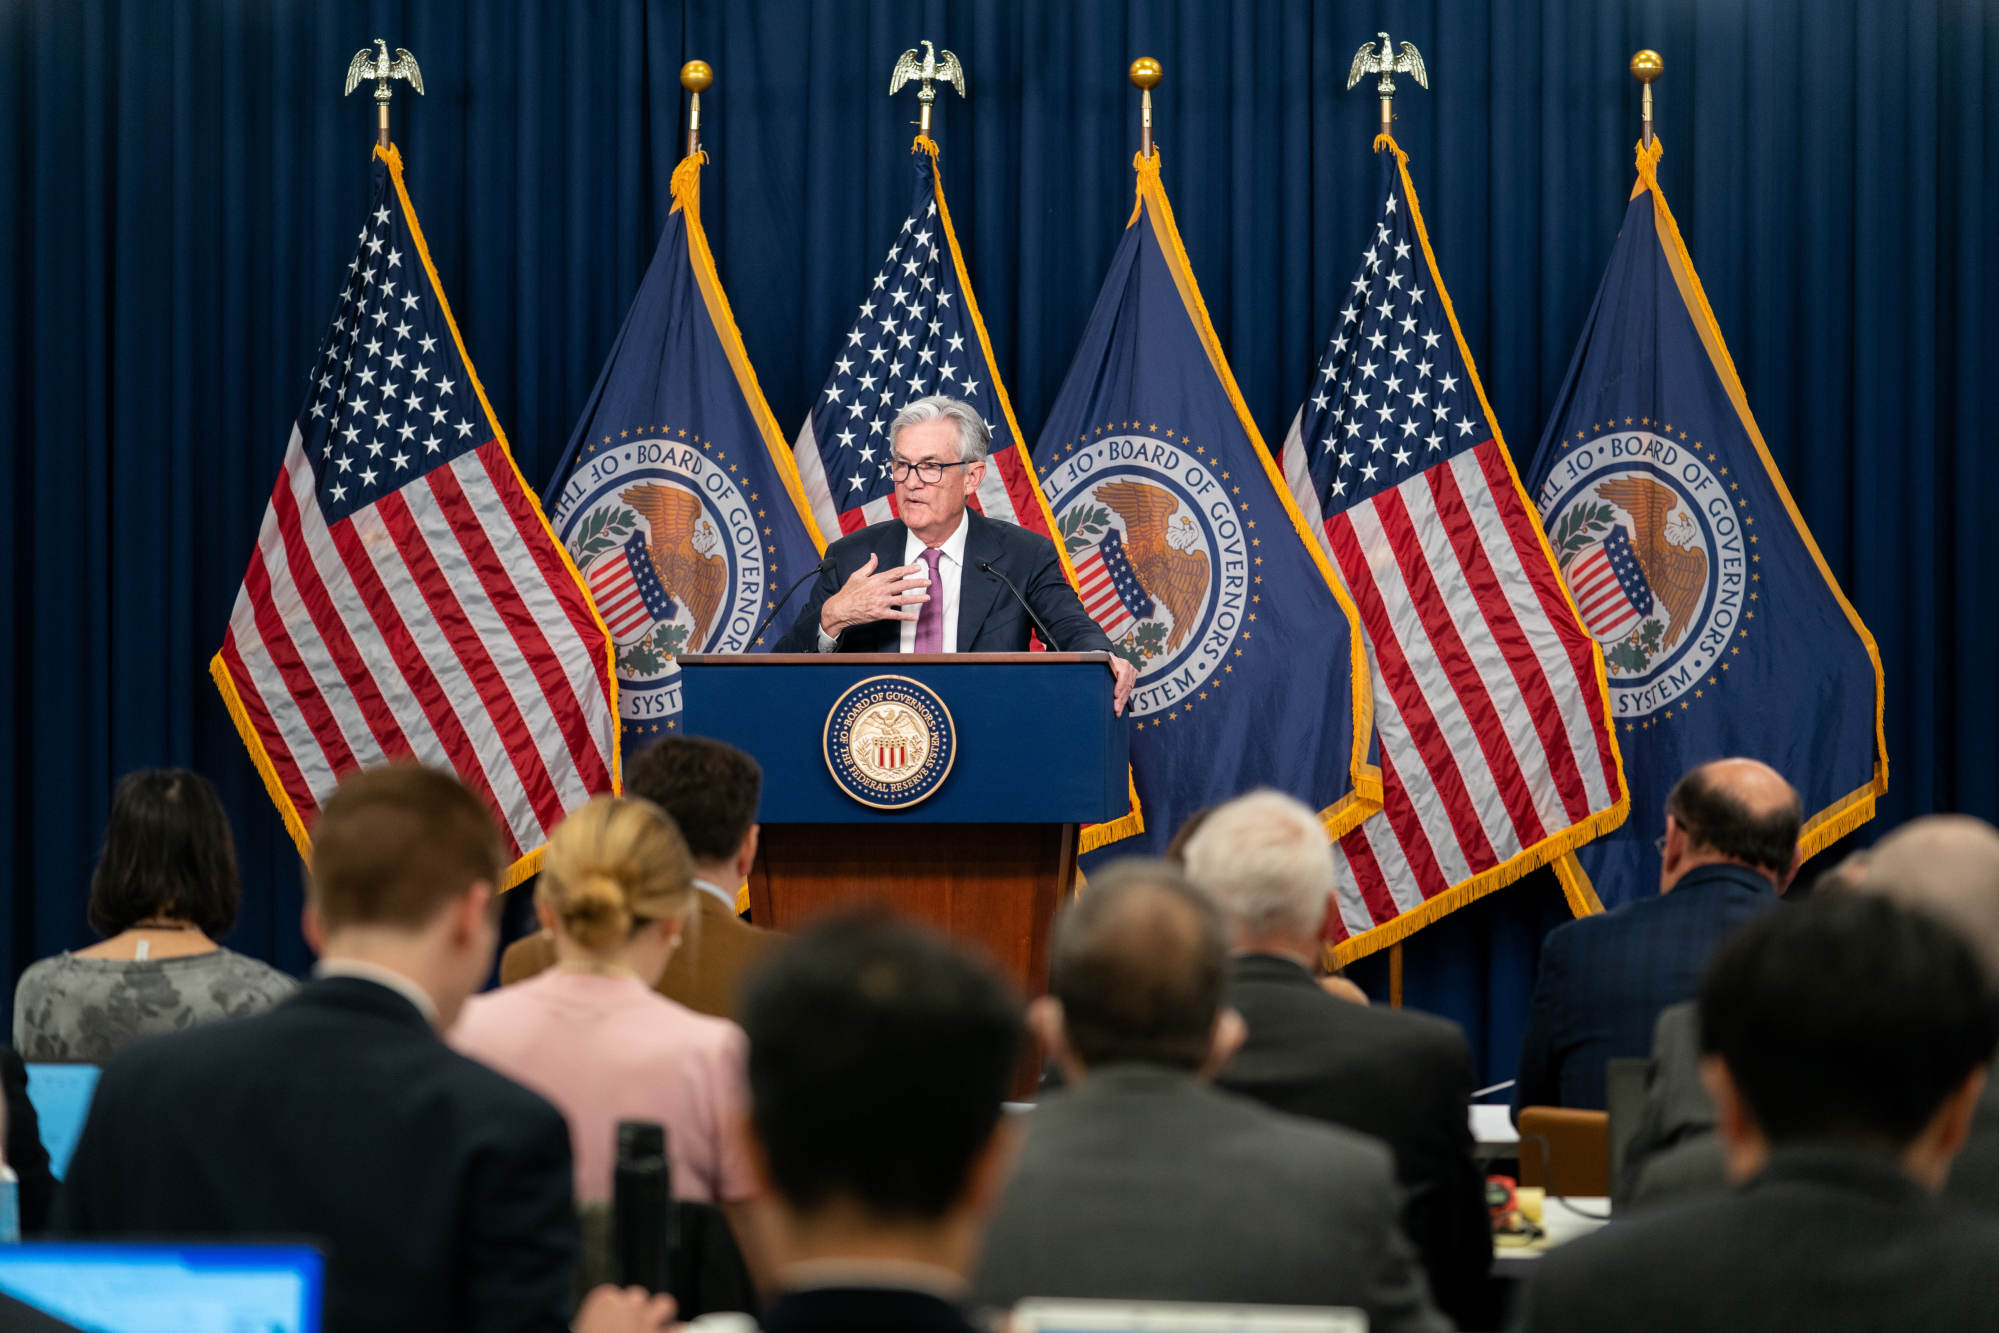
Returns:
(1731,847)
(1947,865)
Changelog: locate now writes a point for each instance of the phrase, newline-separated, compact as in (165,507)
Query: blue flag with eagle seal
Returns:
(677,497)
(1191,554)
(1723,630)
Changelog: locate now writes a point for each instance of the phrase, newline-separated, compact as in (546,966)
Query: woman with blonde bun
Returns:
(591,1035)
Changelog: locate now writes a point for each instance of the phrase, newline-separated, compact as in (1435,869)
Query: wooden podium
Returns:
(990,854)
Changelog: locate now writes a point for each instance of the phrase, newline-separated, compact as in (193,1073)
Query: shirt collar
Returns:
(717,892)
(381,976)
(953,546)
(883,1274)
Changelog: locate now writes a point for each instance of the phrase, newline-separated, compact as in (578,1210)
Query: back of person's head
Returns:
(1948,865)
(880,1055)
(1847,1018)
(611,865)
(167,854)
(1137,964)
(710,788)
(394,845)
(1266,859)
(1742,810)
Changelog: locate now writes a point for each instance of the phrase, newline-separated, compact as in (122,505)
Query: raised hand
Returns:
(892,594)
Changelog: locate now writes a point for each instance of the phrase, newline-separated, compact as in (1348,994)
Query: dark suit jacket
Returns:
(1674,1154)
(863,1310)
(1141,1183)
(989,619)
(1604,980)
(25,1152)
(704,973)
(1404,1078)
(439,1190)
(1824,1239)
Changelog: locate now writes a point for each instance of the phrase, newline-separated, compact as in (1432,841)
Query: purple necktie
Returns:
(930,615)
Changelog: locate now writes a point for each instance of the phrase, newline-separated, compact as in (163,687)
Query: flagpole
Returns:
(696,76)
(1145,76)
(1645,67)
(376,65)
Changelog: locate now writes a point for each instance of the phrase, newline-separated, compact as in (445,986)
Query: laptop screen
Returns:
(1081,1316)
(115,1288)
(61,1098)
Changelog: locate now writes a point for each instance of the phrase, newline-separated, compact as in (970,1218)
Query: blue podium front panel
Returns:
(1032,736)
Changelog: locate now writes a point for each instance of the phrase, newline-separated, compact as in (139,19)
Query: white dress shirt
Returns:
(717,892)
(950,575)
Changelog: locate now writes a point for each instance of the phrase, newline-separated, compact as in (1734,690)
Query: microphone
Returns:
(1046,637)
(811,573)
(644,1231)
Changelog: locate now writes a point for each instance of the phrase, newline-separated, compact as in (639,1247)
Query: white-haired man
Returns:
(1403,1077)
(933,580)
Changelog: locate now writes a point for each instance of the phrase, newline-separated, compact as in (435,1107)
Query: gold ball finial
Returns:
(1147,72)
(696,75)
(1647,66)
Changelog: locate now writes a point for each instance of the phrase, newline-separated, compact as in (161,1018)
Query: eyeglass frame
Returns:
(1659,843)
(918,467)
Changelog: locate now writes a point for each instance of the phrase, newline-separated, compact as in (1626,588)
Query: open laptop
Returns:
(120,1288)
(1067,1316)
(60,1094)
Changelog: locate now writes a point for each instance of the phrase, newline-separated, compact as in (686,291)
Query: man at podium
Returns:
(941,578)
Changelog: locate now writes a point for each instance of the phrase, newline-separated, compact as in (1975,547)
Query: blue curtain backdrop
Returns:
(178,181)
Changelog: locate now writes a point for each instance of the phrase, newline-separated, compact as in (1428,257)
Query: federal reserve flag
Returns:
(1489,700)
(676,497)
(918,332)
(1722,629)
(406,599)
(1192,556)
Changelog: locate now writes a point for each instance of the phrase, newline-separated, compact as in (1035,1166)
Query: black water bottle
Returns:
(642,1212)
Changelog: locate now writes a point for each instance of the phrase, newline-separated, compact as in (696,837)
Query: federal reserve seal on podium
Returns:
(890,742)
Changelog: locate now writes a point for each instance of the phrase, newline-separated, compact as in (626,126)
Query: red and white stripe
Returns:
(438,624)
(617,596)
(1489,719)
(1599,596)
(1006,492)
(1100,597)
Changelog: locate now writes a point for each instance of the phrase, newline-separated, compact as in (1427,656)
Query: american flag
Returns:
(406,598)
(918,333)
(1489,703)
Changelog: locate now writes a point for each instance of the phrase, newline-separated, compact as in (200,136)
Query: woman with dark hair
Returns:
(163,893)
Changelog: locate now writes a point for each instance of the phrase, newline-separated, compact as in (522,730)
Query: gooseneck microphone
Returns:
(811,573)
(1046,637)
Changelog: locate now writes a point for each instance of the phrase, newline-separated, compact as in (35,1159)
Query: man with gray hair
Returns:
(1404,1078)
(940,577)
(1139,1181)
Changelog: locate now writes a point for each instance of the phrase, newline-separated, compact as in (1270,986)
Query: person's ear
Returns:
(544,913)
(470,917)
(1224,1040)
(1952,1121)
(1046,1021)
(974,474)
(1785,880)
(746,855)
(313,928)
(986,1180)
(1742,1143)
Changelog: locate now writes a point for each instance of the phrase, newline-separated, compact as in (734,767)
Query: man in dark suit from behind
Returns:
(1845,1043)
(1731,846)
(879,1062)
(1140,1181)
(439,1190)
(711,789)
(1404,1078)
(1944,864)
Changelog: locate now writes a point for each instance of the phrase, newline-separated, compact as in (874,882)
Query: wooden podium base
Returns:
(994,886)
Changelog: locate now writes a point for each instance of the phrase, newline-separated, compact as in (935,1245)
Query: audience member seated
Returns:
(1845,1043)
(591,1035)
(1142,1182)
(1403,1077)
(1946,864)
(1731,846)
(711,790)
(879,1059)
(22,1135)
(439,1190)
(163,893)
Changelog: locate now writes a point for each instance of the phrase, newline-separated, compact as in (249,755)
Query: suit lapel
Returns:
(977,589)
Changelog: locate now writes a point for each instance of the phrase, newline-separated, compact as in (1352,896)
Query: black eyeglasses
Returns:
(930,473)
(1659,843)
